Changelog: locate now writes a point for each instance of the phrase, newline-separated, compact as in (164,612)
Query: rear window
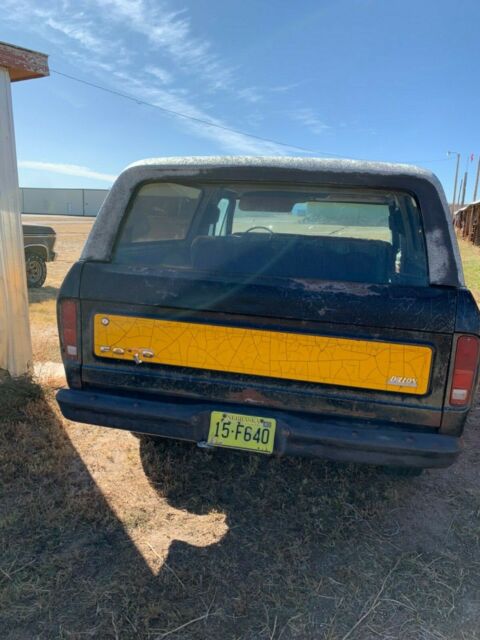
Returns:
(162,211)
(351,235)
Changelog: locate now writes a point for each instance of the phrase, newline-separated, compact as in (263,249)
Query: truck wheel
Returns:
(36,270)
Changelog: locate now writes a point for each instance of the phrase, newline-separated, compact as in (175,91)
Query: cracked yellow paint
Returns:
(347,362)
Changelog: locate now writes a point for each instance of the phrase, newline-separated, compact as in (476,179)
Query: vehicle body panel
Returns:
(325,309)
(325,359)
(39,239)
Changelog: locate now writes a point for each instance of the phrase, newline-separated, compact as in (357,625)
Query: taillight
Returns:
(464,370)
(68,317)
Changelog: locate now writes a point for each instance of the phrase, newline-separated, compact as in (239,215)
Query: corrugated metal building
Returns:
(66,202)
(467,222)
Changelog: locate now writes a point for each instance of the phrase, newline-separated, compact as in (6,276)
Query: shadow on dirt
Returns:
(283,568)
(313,550)
(67,567)
(42,294)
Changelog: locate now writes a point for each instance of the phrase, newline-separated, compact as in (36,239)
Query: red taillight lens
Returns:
(464,370)
(68,329)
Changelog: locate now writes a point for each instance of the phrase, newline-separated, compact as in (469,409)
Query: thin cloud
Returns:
(175,101)
(184,74)
(309,119)
(172,32)
(66,169)
(160,73)
(285,88)
(80,33)
(53,21)
(250,94)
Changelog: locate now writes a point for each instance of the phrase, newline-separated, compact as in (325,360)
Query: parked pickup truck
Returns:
(204,309)
(39,243)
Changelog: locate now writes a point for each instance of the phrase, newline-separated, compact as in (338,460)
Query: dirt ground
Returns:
(104,535)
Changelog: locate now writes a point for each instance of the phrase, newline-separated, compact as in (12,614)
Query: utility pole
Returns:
(476,181)
(464,189)
(460,192)
(16,64)
(450,153)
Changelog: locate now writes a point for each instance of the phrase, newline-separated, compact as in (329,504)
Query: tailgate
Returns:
(378,351)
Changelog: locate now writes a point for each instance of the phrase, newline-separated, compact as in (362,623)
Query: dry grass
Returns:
(306,549)
(104,535)
(471,266)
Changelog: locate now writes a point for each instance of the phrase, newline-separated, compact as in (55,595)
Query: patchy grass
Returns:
(307,550)
(62,549)
(471,265)
(104,535)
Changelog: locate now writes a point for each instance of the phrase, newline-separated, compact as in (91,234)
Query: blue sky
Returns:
(393,80)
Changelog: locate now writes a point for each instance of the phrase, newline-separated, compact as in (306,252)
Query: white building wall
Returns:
(93,200)
(66,202)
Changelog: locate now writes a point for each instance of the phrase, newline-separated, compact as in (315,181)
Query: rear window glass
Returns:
(352,235)
(160,211)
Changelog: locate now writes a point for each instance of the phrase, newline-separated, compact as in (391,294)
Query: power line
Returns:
(215,125)
(428,161)
(189,117)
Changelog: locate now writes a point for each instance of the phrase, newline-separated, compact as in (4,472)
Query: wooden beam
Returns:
(23,64)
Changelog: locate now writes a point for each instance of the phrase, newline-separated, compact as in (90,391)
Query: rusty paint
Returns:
(248,395)
(23,64)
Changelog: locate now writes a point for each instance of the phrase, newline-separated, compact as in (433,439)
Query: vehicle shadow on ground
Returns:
(312,550)
(302,554)
(315,550)
(42,294)
(67,567)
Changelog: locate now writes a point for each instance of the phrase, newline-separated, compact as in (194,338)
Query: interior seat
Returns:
(314,257)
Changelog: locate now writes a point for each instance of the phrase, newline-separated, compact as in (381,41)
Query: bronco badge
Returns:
(400,381)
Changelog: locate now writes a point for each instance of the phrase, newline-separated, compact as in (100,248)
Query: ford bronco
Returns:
(39,243)
(277,305)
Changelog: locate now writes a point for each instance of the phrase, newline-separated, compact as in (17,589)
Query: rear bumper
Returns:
(341,440)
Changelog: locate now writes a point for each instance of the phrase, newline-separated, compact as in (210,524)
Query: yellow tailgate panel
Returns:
(346,362)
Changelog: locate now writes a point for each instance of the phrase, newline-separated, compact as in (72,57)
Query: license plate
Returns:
(237,431)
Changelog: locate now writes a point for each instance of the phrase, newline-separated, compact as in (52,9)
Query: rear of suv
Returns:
(274,305)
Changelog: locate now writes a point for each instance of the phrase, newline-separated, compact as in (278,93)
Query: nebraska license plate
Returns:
(237,431)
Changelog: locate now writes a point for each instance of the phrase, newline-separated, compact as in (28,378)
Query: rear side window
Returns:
(279,231)
(159,212)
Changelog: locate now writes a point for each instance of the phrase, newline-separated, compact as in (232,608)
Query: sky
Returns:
(393,80)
